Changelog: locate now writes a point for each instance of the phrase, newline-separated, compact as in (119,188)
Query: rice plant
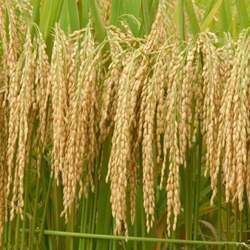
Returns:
(124,124)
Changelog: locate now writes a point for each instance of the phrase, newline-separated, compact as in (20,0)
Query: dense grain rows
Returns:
(146,95)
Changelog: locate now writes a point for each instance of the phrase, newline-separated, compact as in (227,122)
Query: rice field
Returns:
(125,125)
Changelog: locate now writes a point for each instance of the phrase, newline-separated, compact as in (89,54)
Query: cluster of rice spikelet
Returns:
(148,96)
(105,6)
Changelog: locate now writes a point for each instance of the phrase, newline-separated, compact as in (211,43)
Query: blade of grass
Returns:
(194,25)
(73,15)
(208,7)
(117,10)
(131,13)
(50,14)
(226,16)
(69,17)
(100,32)
(17,232)
(83,9)
(242,14)
(180,20)
(36,11)
(40,236)
(34,218)
(210,17)
(146,17)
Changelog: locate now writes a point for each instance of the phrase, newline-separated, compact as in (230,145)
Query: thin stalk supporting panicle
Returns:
(151,97)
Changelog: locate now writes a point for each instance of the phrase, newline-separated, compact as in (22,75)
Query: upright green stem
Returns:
(17,232)
(44,214)
(81,242)
(55,207)
(219,214)
(70,227)
(236,224)
(34,218)
(181,20)
(25,207)
(197,187)
(9,241)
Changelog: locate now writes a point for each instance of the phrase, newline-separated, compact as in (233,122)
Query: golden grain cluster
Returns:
(148,96)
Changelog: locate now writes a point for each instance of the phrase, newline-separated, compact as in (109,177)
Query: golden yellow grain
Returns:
(105,6)
(3,167)
(42,93)
(59,101)
(82,120)
(212,91)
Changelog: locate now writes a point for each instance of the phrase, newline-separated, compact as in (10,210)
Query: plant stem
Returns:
(34,218)
(143,239)
(197,186)
(219,214)
(180,20)
(17,232)
(44,214)
(25,207)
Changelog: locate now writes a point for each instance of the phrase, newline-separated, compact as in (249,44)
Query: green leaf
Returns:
(132,13)
(73,15)
(98,24)
(209,18)
(116,11)
(83,7)
(36,11)
(180,19)
(242,13)
(50,14)
(194,25)
(226,16)
(69,16)
(146,16)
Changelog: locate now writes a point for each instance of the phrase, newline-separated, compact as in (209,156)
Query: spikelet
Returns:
(81,146)
(248,141)
(12,48)
(42,86)
(212,91)
(234,124)
(110,85)
(148,108)
(151,127)
(158,33)
(120,153)
(105,6)
(25,7)
(59,101)
(3,47)
(172,153)
(129,92)
(21,98)
(148,142)
(42,90)
(160,78)
(3,167)
(188,122)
